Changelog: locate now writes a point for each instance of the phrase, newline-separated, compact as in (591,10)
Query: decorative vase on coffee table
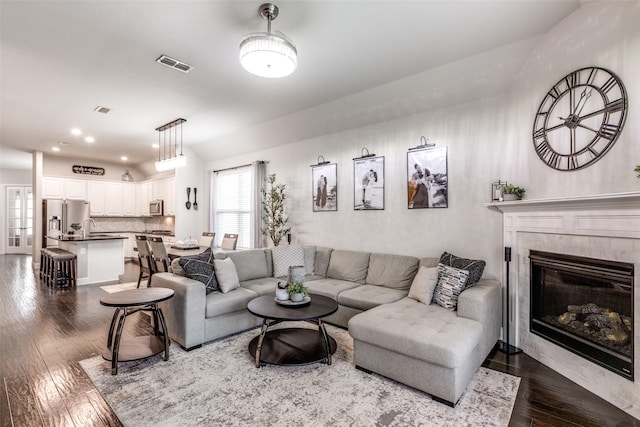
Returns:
(282,294)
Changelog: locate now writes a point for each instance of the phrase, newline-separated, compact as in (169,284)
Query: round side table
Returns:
(134,348)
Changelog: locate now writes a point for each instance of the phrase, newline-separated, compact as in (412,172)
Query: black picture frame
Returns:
(427,178)
(368,178)
(324,187)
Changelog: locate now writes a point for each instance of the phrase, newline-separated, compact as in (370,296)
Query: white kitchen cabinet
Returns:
(95,195)
(113,198)
(52,188)
(128,199)
(75,189)
(142,199)
(170,197)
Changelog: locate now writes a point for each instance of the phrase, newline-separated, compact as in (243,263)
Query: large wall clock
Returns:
(580,119)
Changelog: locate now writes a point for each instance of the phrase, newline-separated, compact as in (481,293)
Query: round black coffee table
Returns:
(134,348)
(292,346)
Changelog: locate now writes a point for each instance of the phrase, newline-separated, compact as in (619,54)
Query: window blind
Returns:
(233,204)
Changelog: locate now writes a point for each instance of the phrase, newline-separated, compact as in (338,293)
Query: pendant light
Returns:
(173,160)
(270,55)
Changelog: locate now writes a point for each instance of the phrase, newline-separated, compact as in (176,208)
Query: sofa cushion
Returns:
(226,274)
(250,264)
(429,262)
(348,265)
(284,256)
(200,267)
(424,284)
(473,266)
(321,263)
(368,296)
(392,271)
(425,332)
(451,282)
(329,287)
(219,303)
(262,286)
(309,258)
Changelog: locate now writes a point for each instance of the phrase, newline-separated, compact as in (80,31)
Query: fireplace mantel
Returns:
(608,201)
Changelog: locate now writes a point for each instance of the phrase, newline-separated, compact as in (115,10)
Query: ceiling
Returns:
(61,60)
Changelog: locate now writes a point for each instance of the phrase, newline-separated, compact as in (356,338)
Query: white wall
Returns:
(191,222)
(62,166)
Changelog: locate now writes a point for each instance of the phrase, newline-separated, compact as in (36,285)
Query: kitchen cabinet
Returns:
(113,199)
(128,199)
(64,188)
(164,189)
(95,195)
(142,199)
(75,189)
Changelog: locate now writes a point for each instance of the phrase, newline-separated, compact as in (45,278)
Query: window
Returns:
(232,213)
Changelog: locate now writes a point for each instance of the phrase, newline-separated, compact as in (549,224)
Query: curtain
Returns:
(258,173)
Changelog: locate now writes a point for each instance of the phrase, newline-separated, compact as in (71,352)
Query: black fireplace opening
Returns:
(586,306)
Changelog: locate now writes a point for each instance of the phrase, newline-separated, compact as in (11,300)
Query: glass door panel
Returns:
(19,204)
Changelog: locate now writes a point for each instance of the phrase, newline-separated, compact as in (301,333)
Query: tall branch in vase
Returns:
(273,218)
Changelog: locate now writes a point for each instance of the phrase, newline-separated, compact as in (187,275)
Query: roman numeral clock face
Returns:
(580,119)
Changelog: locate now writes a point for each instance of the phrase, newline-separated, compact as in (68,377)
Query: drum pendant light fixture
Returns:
(270,55)
(168,157)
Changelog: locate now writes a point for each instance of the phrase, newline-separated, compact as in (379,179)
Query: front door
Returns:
(19,217)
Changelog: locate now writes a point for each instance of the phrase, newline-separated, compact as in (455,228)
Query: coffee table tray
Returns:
(289,303)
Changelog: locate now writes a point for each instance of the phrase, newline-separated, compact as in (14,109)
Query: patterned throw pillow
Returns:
(451,282)
(200,267)
(284,256)
(226,274)
(473,266)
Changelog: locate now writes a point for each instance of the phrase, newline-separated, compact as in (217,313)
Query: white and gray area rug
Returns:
(219,385)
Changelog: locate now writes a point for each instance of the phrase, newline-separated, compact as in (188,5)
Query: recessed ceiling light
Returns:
(155,145)
(55,149)
(76,131)
(124,158)
(90,139)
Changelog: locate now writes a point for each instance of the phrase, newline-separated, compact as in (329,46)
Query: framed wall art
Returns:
(427,180)
(324,179)
(368,177)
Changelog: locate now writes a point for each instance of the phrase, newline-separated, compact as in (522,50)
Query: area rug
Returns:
(122,287)
(218,385)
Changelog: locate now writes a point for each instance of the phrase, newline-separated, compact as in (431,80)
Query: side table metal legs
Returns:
(263,332)
(326,340)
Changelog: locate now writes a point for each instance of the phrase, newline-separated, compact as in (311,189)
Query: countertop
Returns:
(91,237)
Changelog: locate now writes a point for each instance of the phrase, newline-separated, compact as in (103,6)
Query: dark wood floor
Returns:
(45,333)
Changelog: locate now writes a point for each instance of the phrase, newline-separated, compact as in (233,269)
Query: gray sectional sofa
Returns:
(425,346)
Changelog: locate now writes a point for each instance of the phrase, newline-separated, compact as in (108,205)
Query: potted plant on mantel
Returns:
(512,192)
(275,222)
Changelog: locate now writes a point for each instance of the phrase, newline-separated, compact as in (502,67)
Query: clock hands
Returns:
(574,118)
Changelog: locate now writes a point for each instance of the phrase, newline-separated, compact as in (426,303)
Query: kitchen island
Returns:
(100,256)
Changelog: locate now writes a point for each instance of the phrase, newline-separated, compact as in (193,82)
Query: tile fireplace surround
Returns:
(603,227)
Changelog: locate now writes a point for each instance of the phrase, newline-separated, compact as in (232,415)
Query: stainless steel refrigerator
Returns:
(58,215)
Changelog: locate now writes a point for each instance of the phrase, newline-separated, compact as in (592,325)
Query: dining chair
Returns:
(159,252)
(207,239)
(229,242)
(145,260)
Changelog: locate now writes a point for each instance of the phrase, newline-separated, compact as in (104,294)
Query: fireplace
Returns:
(586,306)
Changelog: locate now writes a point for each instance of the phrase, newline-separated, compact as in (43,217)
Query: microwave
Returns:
(156,208)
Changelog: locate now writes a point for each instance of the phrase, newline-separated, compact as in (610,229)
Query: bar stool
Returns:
(61,267)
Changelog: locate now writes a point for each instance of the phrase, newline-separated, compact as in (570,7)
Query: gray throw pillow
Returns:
(226,274)
(200,267)
(475,267)
(451,282)
(424,284)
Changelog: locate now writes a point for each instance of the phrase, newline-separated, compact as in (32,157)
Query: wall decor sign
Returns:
(427,180)
(368,177)
(324,184)
(87,170)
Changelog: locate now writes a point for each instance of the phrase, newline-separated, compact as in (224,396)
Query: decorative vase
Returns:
(509,197)
(297,297)
(282,294)
(296,274)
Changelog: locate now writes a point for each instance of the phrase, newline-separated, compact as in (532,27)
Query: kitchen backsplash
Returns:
(134,225)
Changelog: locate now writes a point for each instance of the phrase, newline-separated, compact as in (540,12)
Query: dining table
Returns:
(174,251)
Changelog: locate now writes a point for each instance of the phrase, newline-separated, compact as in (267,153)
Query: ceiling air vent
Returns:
(103,110)
(175,64)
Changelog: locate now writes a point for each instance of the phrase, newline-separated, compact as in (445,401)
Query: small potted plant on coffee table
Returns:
(297,291)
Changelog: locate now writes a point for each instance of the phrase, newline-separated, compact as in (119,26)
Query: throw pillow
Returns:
(284,256)
(309,258)
(200,267)
(451,283)
(473,266)
(226,274)
(424,284)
